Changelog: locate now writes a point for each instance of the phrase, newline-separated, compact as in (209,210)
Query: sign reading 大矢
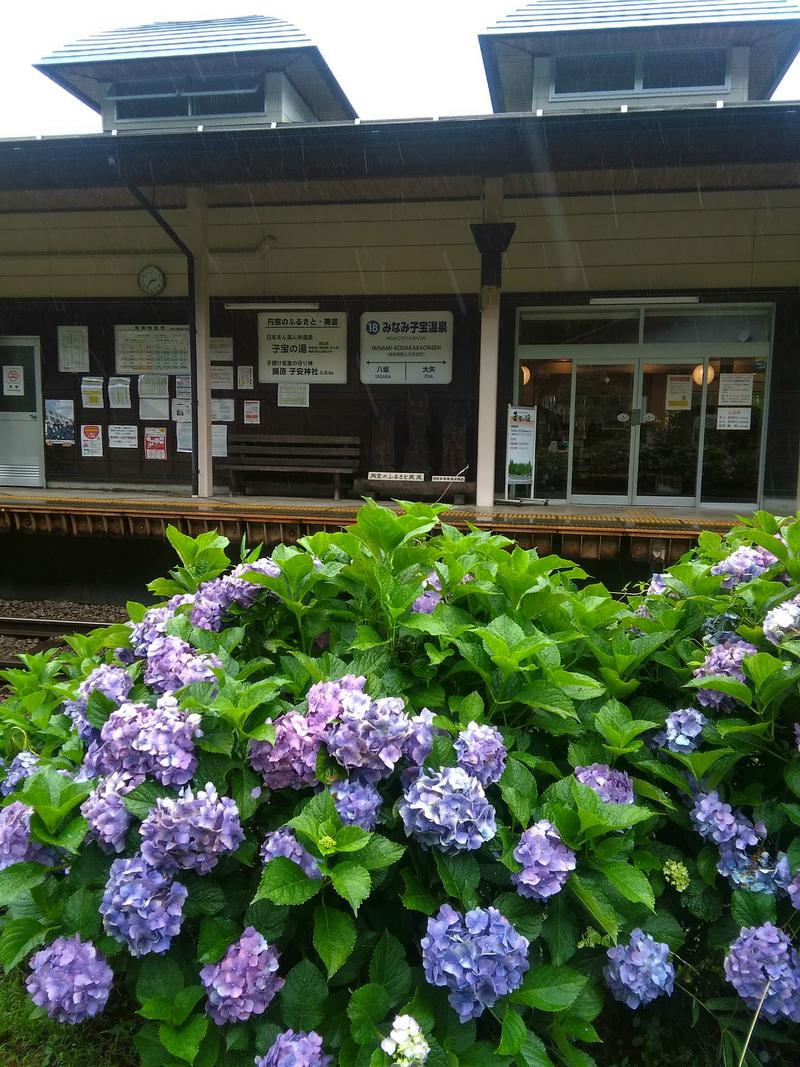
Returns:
(302,346)
(520,447)
(407,347)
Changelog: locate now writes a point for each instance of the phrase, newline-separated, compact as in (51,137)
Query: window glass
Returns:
(602,328)
(733,430)
(594,74)
(238,103)
(698,68)
(715,325)
(152,107)
(547,385)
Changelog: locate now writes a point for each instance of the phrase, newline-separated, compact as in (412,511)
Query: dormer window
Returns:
(698,70)
(177,99)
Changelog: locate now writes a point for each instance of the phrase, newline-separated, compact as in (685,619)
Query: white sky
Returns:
(415,58)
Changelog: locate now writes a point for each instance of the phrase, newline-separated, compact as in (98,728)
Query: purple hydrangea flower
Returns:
(247,590)
(325,698)
(546,862)
(370,736)
(716,821)
(291,1049)
(793,889)
(724,659)
(21,767)
(76,709)
(284,843)
(358,803)
(172,664)
(192,831)
(431,595)
(743,565)
(243,982)
(105,812)
(139,740)
(757,873)
(154,623)
(142,907)
(70,979)
(639,971)
(211,601)
(15,834)
(681,730)
(291,761)
(613,787)
(479,957)
(481,751)
(113,682)
(783,622)
(657,586)
(448,810)
(763,957)
(419,745)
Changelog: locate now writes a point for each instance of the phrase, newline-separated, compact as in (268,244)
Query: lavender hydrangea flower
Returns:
(681,730)
(716,821)
(15,834)
(406,1045)
(613,787)
(370,736)
(546,862)
(21,767)
(244,981)
(105,812)
(70,979)
(215,598)
(419,745)
(757,873)
(431,595)
(291,1049)
(479,957)
(192,831)
(325,698)
(142,907)
(172,664)
(290,762)
(481,751)
(113,682)
(284,843)
(358,803)
(783,622)
(743,565)
(724,659)
(448,810)
(640,971)
(657,586)
(154,623)
(76,710)
(139,740)
(763,957)
(793,889)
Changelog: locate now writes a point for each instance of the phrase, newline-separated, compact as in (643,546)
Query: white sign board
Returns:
(733,418)
(73,349)
(123,436)
(292,395)
(396,476)
(13,381)
(407,347)
(735,390)
(679,393)
(520,447)
(302,346)
(159,348)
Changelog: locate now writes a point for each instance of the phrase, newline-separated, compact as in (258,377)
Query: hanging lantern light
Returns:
(697,374)
(526,374)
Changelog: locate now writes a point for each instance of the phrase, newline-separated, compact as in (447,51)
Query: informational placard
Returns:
(252,412)
(679,392)
(119,392)
(123,436)
(92,392)
(222,377)
(221,350)
(153,385)
(183,436)
(292,395)
(396,476)
(153,407)
(733,418)
(59,422)
(520,447)
(155,442)
(181,410)
(13,381)
(73,349)
(92,441)
(183,386)
(448,478)
(407,347)
(244,376)
(219,440)
(141,349)
(222,410)
(310,346)
(735,390)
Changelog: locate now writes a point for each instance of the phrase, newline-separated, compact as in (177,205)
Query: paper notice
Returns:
(119,392)
(92,440)
(252,412)
(221,350)
(221,377)
(155,442)
(153,385)
(120,436)
(181,410)
(733,418)
(73,349)
(153,408)
(13,381)
(292,395)
(219,440)
(222,410)
(183,386)
(92,392)
(244,377)
(59,422)
(183,436)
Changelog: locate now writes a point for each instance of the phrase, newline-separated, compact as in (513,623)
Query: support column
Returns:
(197,211)
(492,238)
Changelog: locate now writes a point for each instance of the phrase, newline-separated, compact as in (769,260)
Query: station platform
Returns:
(657,536)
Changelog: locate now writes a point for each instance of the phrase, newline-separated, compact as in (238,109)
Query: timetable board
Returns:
(145,349)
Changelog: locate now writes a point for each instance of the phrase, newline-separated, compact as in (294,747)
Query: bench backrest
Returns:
(344,452)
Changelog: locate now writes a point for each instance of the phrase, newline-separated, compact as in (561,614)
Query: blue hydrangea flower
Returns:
(639,971)
(613,787)
(142,907)
(113,682)
(743,565)
(15,838)
(758,873)
(192,831)
(370,736)
(284,843)
(681,730)
(783,622)
(420,743)
(76,710)
(244,981)
(406,1045)
(138,740)
(716,821)
(173,663)
(448,810)
(479,957)
(105,812)
(21,767)
(724,659)
(546,862)
(70,980)
(481,751)
(290,762)
(763,957)
(291,1049)
(358,803)
(657,586)
(431,595)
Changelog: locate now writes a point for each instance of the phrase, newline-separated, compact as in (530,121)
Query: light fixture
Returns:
(697,374)
(526,374)
(307,306)
(629,301)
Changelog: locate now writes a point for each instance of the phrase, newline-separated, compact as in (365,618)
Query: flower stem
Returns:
(753,1025)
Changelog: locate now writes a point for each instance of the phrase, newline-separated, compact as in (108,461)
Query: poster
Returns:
(222,410)
(92,393)
(119,392)
(244,377)
(92,441)
(221,350)
(153,385)
(221,377)
(13,381)
(520,447)
(679,392)
(219,440)
(181,410)
(407,347)
(183,386)
(735,390)
(733,418)
(153,408)
(139,349)
(183,437)
(252,412)
(155,442)
(120,436)
(310,346)
(73,349)
(59,422)
(292,395)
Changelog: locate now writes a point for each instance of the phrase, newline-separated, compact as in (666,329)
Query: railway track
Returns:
(35,635)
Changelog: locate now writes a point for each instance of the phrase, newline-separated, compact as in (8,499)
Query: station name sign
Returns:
(407,347)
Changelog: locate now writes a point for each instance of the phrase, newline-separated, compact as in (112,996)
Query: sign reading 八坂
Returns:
(407,347)
(302,346)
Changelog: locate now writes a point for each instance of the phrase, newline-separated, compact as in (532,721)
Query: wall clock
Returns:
(152,281)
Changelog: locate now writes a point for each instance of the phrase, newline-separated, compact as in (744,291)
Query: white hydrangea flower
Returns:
(406,1043)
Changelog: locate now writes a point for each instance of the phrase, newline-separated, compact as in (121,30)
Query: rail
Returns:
(43,633)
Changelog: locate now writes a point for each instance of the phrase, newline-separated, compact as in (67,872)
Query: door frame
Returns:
(10,341)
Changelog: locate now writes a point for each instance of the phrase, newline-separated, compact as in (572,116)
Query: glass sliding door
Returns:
(669,412)
(733,430)
(602,426)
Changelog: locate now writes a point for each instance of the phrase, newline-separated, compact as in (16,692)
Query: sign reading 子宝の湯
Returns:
(302,346)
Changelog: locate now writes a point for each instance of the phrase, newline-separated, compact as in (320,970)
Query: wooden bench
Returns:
(251,453)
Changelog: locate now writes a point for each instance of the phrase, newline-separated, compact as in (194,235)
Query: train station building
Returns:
(238,284)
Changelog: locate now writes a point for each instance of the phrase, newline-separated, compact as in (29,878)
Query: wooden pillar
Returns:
(197,210)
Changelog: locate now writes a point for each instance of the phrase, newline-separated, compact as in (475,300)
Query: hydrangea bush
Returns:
(409,795)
